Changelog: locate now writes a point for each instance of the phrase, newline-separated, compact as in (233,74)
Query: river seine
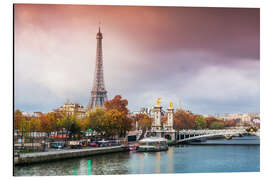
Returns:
(240,154)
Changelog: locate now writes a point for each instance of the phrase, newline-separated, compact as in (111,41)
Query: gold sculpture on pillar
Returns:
(171,105)
(158,102)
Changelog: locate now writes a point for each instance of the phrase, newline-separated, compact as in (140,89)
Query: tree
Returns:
(210,120)
(117,109)
(117,103)
(75,128)
(214,123)
(44,124)
(112,124)
(217,125)
(84,123)
(52,120)
(164,120)
(95,120)
(124,124)
(144,123)
(17,119)
(34,125)
(200,122)
(66,122)
(183,120)
(230,123)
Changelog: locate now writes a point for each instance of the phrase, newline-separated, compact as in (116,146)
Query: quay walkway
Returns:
(29,158)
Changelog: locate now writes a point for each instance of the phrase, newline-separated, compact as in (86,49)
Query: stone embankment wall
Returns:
(30,158)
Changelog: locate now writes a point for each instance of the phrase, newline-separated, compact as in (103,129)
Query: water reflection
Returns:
(182,159)
(141,163)
(158,162)
(170,160)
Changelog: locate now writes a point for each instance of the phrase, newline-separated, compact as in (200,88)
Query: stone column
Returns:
(169,124)
(170,119)
(157,118)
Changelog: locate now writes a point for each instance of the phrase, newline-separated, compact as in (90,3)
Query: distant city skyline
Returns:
(206,57)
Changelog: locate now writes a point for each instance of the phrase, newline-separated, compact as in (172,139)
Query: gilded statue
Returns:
(158,102)
(171,105)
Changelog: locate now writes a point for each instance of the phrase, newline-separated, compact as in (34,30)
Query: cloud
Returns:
(210,65)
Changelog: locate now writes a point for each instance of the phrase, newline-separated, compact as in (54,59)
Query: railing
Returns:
(197,134)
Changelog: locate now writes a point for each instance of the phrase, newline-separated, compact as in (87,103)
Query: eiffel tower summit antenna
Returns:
(99,24)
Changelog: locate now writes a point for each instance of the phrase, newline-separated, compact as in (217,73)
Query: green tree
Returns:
(75,128)
(200,122)
(111,123)
(210,120)
(217,125)
(96,119)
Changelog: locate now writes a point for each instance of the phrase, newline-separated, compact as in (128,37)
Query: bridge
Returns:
(257,133)
(189,135)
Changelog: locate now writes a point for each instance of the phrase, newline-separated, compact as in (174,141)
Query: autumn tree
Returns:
(164,120)
(52,122)
(183,120)
(34,125)
(112,124)
(230,123)
(117,103)
(214,123)
(84,123)
(144,122)
(45,124)
(17,119)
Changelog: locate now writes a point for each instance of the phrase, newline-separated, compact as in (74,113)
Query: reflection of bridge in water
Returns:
(189,135)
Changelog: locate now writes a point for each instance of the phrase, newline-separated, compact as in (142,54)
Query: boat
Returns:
(133,148)
(153,144)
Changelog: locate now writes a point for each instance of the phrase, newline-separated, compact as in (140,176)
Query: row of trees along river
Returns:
(114,120)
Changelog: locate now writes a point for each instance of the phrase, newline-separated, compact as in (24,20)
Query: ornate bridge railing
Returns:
(187,135)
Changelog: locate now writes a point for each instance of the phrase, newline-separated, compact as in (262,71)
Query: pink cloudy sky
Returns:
(206,57)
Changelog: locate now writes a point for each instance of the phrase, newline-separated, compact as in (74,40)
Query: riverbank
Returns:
(29,158)
(178,159)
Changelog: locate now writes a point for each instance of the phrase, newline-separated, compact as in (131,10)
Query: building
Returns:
(241,118)
(98,93)
(32,114)
(72,109)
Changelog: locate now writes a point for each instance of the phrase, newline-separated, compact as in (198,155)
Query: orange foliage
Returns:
(183,120)
(117,103)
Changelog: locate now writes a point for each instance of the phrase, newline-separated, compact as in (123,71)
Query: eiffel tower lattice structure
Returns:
(98,92)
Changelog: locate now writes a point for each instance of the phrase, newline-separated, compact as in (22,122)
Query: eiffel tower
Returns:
(98,93)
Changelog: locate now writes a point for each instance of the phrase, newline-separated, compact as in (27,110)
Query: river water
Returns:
(241,154)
